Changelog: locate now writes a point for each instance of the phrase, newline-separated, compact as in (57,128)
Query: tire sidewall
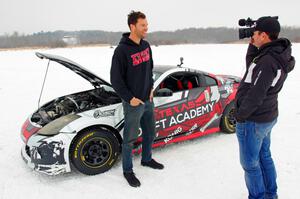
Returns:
(224,123)
(76,152)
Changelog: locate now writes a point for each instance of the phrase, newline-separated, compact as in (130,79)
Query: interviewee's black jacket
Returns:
(131,69)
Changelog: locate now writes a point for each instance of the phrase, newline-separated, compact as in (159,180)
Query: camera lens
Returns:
(246,32)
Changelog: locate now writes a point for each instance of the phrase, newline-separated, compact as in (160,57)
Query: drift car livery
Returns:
(85,129)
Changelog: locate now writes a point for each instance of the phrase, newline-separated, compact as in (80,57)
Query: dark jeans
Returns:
(255,157)
(135,117)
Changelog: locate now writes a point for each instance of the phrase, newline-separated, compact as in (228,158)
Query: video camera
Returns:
(248,32)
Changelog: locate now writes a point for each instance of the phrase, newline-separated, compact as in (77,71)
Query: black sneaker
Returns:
(153,164)
(131,179)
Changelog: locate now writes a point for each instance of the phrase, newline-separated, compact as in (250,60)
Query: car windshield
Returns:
(156,75)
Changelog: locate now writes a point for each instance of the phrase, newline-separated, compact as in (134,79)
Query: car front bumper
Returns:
(49,156)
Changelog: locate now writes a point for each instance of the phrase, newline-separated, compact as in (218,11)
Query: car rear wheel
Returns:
(94,151)
(228,121)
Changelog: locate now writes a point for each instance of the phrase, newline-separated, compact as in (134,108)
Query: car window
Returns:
(210,81)
(156,75)
(180,82)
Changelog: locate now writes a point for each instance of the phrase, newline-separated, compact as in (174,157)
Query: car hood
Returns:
(78,69)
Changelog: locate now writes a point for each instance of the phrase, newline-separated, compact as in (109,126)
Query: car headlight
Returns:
(55,126)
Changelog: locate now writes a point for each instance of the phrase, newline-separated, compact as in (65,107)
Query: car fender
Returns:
(109,116)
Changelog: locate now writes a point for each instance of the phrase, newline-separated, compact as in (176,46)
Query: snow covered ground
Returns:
(206,168)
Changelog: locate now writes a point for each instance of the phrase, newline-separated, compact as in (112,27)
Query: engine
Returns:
(74,103)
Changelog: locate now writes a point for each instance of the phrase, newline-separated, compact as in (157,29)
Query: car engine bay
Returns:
(74,103)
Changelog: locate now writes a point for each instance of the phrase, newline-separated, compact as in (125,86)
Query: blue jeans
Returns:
(135,117)
(255,158)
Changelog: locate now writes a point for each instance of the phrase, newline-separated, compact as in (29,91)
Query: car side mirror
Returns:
(163,92)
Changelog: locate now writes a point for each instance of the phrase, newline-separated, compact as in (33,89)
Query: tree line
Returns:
(94,37)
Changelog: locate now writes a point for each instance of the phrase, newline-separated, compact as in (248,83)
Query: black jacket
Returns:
(131,69)
(267,69)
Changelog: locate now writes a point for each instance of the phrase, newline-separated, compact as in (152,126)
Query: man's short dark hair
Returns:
(133,17)
(272,35)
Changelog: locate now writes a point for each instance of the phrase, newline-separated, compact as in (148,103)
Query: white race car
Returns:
(85,129)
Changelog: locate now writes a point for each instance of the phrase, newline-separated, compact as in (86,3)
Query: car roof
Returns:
(163,68)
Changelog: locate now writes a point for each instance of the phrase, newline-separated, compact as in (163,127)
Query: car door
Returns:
(188,110)
(167,108)
(208,100)
(192,108)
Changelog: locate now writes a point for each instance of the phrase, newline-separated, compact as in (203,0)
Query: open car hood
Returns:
(78,69)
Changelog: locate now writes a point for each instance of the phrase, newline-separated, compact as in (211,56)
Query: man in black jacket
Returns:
(268,62)
(131,77)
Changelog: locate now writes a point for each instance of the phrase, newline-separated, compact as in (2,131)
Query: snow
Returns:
(206,168)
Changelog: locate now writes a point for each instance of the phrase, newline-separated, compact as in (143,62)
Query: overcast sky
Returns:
(28,16)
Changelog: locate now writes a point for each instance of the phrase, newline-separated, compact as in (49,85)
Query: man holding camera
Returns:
(131,77)
(268,62)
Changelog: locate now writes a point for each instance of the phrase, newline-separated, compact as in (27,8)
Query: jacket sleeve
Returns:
(251,54)
(258,90)
(118,76)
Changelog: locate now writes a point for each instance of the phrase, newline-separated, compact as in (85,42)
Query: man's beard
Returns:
(141,36)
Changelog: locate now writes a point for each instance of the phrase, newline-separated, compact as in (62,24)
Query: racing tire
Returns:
(94,151)
(228,121)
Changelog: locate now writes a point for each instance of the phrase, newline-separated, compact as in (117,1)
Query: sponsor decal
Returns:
(140,57)
(202,129)
(80,142)
(207,96)
(171,136)
(183,112)
(227,89)
(106,113)
(192,129)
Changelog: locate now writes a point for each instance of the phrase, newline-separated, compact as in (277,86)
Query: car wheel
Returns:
(228,121)
(94,151)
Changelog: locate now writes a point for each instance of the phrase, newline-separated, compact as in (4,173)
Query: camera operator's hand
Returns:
(251,40)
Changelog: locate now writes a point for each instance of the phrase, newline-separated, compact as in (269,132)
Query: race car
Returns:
(84,130)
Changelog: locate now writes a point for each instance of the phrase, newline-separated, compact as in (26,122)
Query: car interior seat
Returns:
(187,84)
